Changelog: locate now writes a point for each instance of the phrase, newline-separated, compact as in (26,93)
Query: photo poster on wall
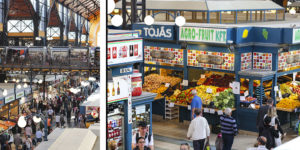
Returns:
(163,55)
(262,61)
(117,89)
(214,60)
(126,51)
(246,61)
(287,60)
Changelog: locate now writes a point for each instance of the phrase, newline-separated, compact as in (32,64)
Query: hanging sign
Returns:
(20,94)
(161,32)
(125,51)
(196,34)
(9,99)
(296,35)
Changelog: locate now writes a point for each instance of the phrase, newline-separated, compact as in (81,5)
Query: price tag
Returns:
(206,110)
(208,90)
(294,76)
(189,107)
(242,98)
(202,76)
(212,111)
(275,88)
(279,94)
(171,105)
(185,82)
(167,85)
(246,93)
(220,112)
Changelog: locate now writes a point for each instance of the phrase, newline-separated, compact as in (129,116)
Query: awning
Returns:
(207,5)
(93,99)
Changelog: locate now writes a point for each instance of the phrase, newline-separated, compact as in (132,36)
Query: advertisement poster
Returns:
(196,34)
(124,51)
(163,55)
(117,89)
(214,60)
(9,99)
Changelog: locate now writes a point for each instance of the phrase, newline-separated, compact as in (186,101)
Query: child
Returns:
(297,126)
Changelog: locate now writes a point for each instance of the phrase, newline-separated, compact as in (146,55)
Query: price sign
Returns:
(206,110)
(279,94)
(189,107)
(242,98)
(246,93)
(167,85)
(185,82)
(202,76)
(126,70)
(208,90)
(212,111)
(275,88)
(171,105)
(220,112)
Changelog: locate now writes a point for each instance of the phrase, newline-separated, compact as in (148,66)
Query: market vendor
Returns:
(196,103)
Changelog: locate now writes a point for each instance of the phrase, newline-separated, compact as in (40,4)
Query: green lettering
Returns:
(186,31)
(193,33)
(182,34)
(212,34)
(199,34)
(190,34)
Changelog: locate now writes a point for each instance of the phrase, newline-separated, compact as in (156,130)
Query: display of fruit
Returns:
(217,80)
(224,100)
(156,83)
(286,88)
(291,102)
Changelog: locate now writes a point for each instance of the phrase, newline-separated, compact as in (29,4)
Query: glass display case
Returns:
(79,56)
(115,124)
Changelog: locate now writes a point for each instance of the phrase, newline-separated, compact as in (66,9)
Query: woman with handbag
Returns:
(275,121)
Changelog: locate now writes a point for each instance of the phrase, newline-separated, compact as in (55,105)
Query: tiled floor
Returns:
(169,134)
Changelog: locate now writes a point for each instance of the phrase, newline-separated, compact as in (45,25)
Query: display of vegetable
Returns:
(224,100)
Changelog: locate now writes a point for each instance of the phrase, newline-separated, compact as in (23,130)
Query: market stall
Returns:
(90,108)
(127,104)
(214,59)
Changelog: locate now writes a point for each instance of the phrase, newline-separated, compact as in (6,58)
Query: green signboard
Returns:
(20,94)
(196,34)
(296,35)
(9,99)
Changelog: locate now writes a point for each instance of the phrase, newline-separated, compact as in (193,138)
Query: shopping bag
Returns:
(207,146)
(219,142)
(278,140)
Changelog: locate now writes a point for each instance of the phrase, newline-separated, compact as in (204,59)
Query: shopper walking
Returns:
(196,103)
(274,120)
(57,120)
(28,143)
(143,132)
(28,131)
(39,135)
(141,144)
(17,140)
(228,129)
(50,113)
(263,110)
(11,138)
(198,130)
(270,132)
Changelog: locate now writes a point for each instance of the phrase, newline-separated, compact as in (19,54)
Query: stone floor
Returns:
(169,134)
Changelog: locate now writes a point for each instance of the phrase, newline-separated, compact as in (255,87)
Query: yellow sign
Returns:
(245,34)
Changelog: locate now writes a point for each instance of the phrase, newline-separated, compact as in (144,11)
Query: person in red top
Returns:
(49,125)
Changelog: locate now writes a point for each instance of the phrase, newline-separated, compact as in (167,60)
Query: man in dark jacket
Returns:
(270,133)
(263,110)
